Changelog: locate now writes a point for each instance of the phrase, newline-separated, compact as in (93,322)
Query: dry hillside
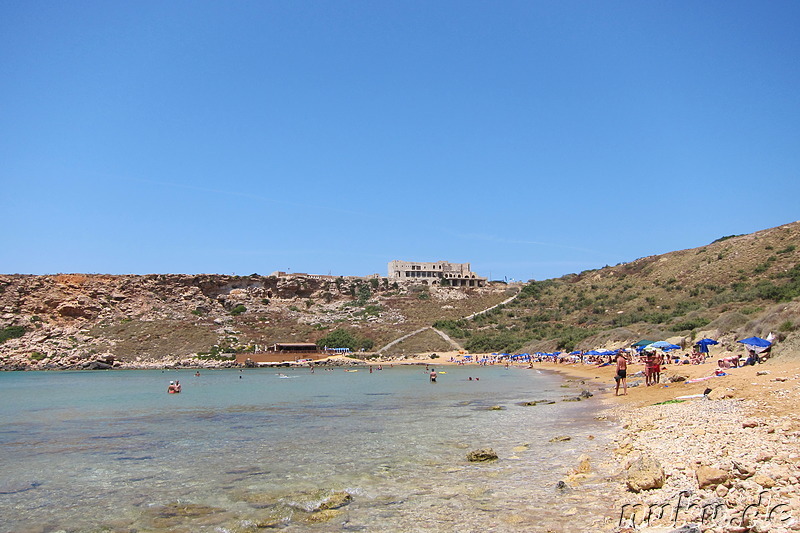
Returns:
(735,287)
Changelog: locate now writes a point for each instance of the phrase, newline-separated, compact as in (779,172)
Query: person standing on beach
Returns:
(622,373)
(658,360)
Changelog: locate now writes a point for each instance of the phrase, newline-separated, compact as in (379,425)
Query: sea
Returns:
(295,450)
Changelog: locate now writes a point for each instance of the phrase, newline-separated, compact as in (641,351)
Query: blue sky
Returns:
(532,139)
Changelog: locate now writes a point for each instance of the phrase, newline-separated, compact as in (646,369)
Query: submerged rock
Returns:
(335,500)
(483,454)
(323,515)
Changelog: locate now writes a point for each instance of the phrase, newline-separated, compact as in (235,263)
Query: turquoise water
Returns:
(98,451)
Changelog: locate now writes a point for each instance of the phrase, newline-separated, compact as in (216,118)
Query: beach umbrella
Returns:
(663,345)
(704,344)
(642,344)
(756,343)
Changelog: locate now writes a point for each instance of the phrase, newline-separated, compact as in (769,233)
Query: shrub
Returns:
(454,328)
(498,342)
(341,338)
(238,310)
(690,324)
(11,332)
(37,356)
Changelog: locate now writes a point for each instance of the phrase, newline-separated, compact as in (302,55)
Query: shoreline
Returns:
(726,462)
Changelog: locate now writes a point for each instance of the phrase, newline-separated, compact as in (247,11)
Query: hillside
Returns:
(735,287)
(71,320)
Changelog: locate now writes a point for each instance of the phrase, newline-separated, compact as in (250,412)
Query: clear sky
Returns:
(530,138)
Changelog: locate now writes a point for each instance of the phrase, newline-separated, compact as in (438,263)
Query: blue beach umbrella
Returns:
(704,344)
(664,345)
(756,342)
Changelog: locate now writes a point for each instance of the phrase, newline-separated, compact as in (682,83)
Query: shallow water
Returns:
(92,451)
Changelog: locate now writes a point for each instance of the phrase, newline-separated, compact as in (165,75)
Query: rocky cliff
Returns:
(82,320)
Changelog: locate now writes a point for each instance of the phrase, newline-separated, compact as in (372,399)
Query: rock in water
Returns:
(645,474)
(484,454)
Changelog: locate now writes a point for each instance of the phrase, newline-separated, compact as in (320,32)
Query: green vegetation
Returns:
(238,310)
(370,310)
(341,338)
(690,324)
(454,328)
(37,356)
(218,353)
(725,238)
(11,332)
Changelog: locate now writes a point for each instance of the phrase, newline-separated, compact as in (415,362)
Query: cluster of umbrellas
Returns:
(756,343)
(655,345)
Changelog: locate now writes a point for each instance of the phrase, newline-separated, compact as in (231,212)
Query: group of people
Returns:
(652,369)
(174,387)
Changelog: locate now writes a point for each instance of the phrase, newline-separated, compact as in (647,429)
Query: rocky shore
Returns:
(723,462)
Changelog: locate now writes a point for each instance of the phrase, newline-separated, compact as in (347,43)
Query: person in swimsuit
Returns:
(658,360)
(622,373)
(433,375)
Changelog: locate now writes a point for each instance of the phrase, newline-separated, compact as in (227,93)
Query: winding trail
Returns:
(442,334)
(401,339)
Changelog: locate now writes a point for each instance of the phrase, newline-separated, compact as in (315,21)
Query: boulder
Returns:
(644,474)
(483,454)
(708,476)
(719,394)
(764,480)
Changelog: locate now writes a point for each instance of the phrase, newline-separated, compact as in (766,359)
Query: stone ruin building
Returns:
(441,273)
